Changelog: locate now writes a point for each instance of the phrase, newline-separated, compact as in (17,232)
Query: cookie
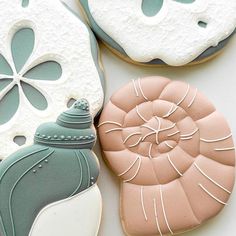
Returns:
(173,152)
(173,32)
(50,188)
(48,57)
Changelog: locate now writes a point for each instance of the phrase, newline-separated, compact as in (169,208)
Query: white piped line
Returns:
(213,181)
(211,195)
(140,87)
(135,88)
(147,135)
(123,173)
(185,95)
(137,143)
(164,212)
(168,145)
(190,134)
(168,113)
(112,130)
(215,140)
(186,138)
(131,135)
(142,203)
(224,149)
(173,165)
(109,122)
(139,114)
(168,128)
(193,99)
(150,151)
(170,135)
(136,173)
(156,217)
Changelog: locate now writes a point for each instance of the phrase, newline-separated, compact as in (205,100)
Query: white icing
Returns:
(172,35)
(59,36)
(211,195)
(78,215)
(142,203)
(212,180)
(173,165)
(156,217)
(164,211)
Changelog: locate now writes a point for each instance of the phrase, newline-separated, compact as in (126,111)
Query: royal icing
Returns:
(56,176)
(177,33)
(43,65)
(176,165)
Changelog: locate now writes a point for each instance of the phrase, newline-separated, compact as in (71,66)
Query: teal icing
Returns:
(113,44)
(12,97)
(49,70)
(35,97)
(25,3)
(22,47)
(41,174)
(151,7)
(5,68)
(94,47)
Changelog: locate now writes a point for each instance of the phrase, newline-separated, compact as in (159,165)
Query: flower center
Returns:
(17,78)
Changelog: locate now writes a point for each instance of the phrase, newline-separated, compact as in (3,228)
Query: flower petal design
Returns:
(22,46)
(5,68)
(4,83)
(35,97)
(49,70)
(9,105)
(185,1)
(151,7)
(25,3)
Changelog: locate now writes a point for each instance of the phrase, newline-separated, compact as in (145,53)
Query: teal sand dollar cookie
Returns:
(50,188)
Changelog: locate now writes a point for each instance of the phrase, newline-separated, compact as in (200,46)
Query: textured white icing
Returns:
(172,35)
(78,215)
(59,36)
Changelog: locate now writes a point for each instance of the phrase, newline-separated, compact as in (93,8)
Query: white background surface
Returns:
(217,80)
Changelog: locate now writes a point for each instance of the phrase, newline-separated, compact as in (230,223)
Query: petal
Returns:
(5,68)
(35,97)
(185,1)
(49,70)
(22,46)
(4,83)
(25,3)
(9,105)
(151,7)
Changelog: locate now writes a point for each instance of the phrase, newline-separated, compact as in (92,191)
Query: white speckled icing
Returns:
(59,36)
(71,217)
(173,35)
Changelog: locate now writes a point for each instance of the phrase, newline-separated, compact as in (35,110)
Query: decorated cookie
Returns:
(154,32)
(47,57)
(50,188)
(173,152)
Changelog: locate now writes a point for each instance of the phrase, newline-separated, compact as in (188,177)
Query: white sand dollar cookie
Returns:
(174,32)
(47,57)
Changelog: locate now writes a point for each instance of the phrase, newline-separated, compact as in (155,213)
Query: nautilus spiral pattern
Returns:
(59,165)
(173,152)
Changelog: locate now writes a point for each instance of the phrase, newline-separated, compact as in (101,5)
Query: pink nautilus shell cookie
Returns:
(173,152)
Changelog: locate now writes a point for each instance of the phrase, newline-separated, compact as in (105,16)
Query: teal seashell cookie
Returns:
(59,165)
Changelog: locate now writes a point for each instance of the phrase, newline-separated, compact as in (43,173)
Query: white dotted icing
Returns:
(173,35)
